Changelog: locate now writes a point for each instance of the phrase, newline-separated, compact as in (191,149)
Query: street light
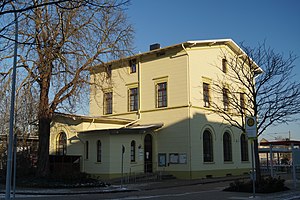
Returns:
(12,111)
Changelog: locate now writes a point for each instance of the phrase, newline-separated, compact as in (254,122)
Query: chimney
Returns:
(154,46)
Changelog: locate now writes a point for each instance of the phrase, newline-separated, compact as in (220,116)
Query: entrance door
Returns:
(148,154)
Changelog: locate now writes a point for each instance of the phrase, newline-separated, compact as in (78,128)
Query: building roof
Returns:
(214,42)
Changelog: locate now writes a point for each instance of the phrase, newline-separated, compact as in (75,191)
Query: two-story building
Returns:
(152,112)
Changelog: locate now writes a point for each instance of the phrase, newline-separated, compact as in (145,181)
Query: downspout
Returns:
(139,98)
(189,109)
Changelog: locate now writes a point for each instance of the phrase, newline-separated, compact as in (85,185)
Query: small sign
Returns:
(251,127)
(162,160)
(174,158)
(182,158)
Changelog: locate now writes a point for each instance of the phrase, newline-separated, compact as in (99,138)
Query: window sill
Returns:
(228,162)
(209,163)
(246,161)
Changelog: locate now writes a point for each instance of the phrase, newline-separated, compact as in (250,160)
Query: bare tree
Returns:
(263,86)
(65,43)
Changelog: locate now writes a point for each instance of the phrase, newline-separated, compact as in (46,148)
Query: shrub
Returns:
(266,185)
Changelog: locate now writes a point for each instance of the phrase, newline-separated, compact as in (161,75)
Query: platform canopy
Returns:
(280,142)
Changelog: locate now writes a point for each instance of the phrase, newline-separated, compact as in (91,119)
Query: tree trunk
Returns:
(43,167)
(45,118)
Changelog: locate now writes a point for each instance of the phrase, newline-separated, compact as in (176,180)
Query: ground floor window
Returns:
(99,151)
(132,151)
(244,148)
(207,147)
(227,147)
(61,144)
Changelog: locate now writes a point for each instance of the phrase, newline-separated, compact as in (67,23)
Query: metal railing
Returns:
(140,172)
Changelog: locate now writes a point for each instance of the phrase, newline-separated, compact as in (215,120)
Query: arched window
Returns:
(61,144)
(207,147)
(99,151)
(132,151)
(244,148)
(227,147)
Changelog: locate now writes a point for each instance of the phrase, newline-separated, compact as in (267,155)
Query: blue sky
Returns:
(170,22)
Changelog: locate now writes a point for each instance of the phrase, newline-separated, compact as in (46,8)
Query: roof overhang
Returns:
(132,129)
(274,150)
(282,142)
(95,119)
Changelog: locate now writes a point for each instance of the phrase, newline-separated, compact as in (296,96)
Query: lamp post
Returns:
(12,111)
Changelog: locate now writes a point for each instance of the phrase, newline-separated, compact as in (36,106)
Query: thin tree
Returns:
(262,84)
(65,44)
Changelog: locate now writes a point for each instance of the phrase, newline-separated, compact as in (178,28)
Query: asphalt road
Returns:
(211,191)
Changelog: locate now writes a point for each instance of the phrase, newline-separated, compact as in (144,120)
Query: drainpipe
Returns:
(189,109)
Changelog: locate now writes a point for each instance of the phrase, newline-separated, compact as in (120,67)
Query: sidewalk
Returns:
(211,183)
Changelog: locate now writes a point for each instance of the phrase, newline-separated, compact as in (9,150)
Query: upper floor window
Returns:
(108,71)
(206,94)
(244,148)
(108,102)
(161,95)
(242,101)
(225,98)
(227,147)
(61,144)
(99,151)
(132,64)
(133,99)
(207,147)
(132,151)
(224,65)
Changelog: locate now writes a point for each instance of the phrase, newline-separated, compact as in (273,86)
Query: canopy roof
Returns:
(131,129)
(281,142)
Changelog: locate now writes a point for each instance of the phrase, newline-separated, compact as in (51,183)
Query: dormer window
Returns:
(132,64)
(108,71)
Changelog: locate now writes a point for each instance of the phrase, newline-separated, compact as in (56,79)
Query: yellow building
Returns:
(152,112)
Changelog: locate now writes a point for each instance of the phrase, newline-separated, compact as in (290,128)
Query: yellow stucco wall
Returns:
(184,118)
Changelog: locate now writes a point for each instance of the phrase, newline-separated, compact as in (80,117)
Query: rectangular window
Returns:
(206,94)
(161,94)
(225,99)
(86,149)
(108,102)
(132,64)
(99,151)
(224,65)
(133,99)
(242,101)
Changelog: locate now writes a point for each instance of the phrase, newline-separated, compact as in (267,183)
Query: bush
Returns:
(266,185)
(67,180)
